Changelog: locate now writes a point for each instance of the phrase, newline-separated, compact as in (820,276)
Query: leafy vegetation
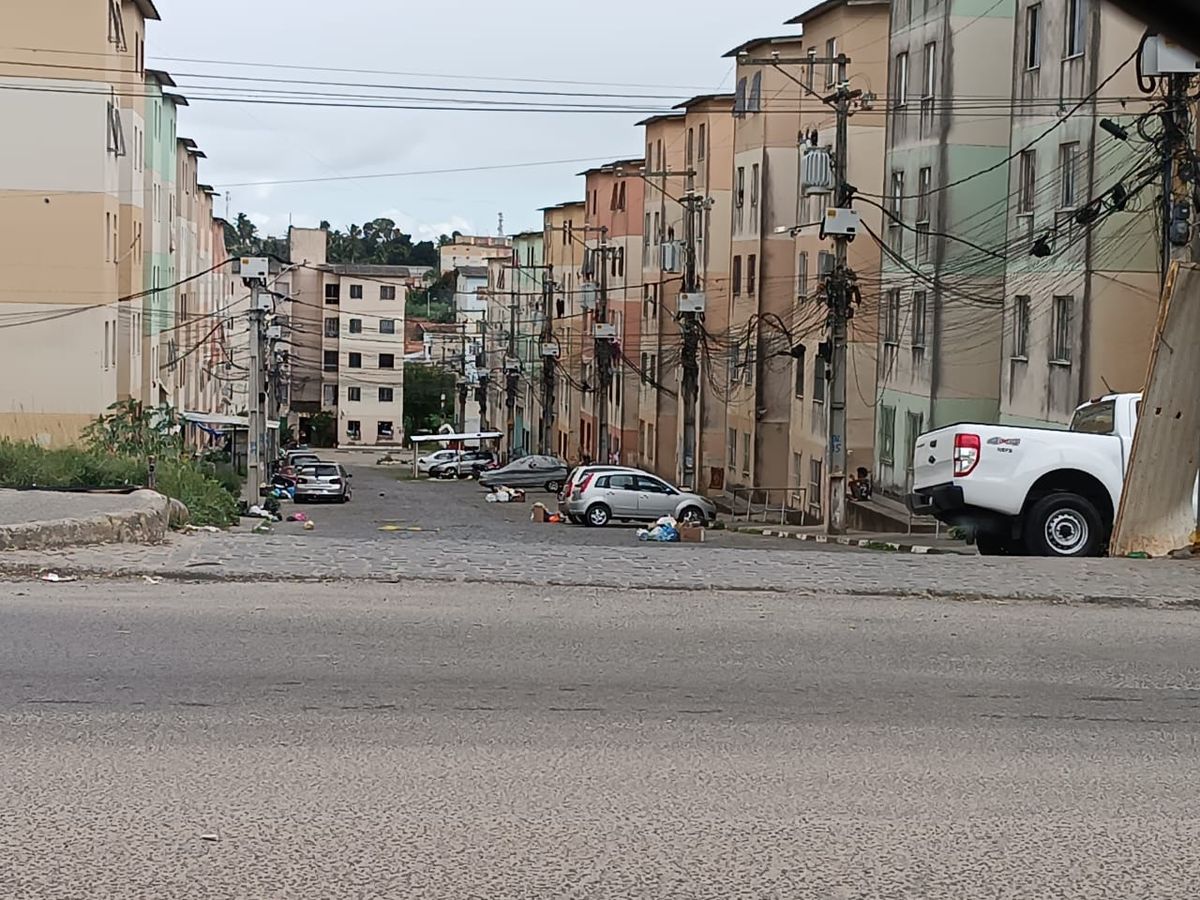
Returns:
(424,387)
(116,454)
(435,301)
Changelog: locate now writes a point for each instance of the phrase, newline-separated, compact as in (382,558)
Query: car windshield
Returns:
(325,471)
(1096,418)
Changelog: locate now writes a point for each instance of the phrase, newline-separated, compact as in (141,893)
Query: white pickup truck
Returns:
(1030,490)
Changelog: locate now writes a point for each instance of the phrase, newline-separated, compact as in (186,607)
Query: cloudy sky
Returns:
(667,48)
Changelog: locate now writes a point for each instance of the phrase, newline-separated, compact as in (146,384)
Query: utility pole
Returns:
(839,288)
(603,345)
(254,273)
(462,384)
(512,364)
(691,307)
(549,360)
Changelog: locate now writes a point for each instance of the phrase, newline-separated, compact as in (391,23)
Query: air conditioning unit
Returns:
(587,295)
(603,331)
(671,256)
(693,302)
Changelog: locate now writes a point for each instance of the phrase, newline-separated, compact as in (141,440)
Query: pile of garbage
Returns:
(665,531)
(539,513)
(505,495)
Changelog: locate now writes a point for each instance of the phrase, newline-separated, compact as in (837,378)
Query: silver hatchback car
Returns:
(632,495)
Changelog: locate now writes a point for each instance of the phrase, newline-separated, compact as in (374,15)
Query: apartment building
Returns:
(708,153)
(563,229)
(762,269)
(70,208)
(665,139)
(859,30)
(614,205)
(471,250)
(1081,318)
(946,170)
(526,282)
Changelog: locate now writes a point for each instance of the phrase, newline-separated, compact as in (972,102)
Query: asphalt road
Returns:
(386,496)
(490,741)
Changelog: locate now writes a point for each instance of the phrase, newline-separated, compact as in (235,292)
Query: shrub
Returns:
(207,499)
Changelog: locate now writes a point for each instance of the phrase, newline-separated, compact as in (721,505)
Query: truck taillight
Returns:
(966,454)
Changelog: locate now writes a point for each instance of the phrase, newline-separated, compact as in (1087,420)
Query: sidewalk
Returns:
(894,543)
(42,520)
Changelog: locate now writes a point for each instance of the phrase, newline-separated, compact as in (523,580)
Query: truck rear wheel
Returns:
(1063,524)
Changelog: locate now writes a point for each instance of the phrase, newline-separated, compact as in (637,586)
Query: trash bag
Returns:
(666,534)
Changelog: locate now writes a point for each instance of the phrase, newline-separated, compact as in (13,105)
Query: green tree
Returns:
(424,388)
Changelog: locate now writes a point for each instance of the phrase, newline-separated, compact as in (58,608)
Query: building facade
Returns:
(470,250)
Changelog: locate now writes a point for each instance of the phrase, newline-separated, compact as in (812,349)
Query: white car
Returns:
(425,463)
(1039,491)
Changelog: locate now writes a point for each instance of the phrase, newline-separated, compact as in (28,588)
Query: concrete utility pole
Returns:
(463,387)
(512,367)
(549,360)
(603,345)
(691,309)
(839,289)
(254,274)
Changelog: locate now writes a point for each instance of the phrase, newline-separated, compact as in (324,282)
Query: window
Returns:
(354,430)
(355,361)
(896,200)
(1096,418)
(356,292)
(751,272)
(331,327)
(739,98)
(657,230)
(1021,328)
(739,195)
(104,357)
(387,360)
(924,186)
(1033,36)
(1068,161)
(356,326)
(354,394)
(799,366)
(330,361)
(649,441)
(1028,185)
(386,326)
(1063,312)
(891,327)
(918,321)
(737,275)
(802,276)
(816,479)
(333,293)
(746,453)
(387,292)
(754,186)
(754,104)
(701,145)
(329,395)
(1075,27)
(831,52)
(690,152)
(731,447)
(620,197)
(929,82)
(386,394)
(383,431)
(887,434)
(818,383)
(107,238)
(901,79)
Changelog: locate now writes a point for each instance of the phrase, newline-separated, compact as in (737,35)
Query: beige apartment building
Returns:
(763,312)
(563,246)
(70,213)
(473,250)
(665,138)
(708,153)
(859,30)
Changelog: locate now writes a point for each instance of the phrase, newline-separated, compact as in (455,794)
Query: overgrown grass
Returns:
(211,499)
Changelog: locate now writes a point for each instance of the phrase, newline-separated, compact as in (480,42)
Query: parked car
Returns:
(633,495)
(425,463)
(1039,491)
(298,458)
(529,471)
(467,463)
(323,481)
(577,475)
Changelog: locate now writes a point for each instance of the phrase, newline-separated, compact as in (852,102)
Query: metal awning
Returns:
(213,420)
(463,436)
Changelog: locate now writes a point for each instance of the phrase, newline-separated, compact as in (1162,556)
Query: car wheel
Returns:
(553,486)
(1063,524)
(693,516)
(598,515)
(996,545)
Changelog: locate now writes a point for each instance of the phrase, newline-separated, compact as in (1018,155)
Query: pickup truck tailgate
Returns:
(933,459)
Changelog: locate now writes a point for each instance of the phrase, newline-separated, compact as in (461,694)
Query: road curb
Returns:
(147,523)
(862,543)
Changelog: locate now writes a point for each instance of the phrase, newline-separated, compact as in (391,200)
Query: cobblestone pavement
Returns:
(478,741)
